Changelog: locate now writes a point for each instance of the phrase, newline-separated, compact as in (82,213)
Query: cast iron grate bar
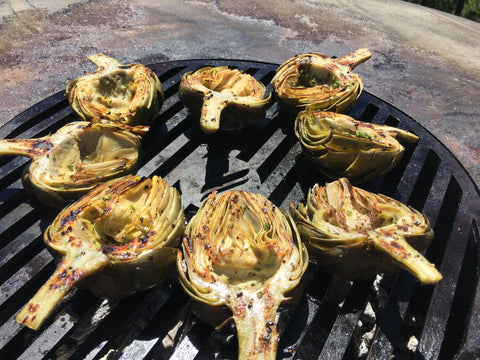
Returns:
(346,323)
(329,319)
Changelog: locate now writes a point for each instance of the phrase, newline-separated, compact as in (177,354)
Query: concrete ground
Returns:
(425,62)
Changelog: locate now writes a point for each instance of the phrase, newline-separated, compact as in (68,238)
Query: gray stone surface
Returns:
(425,62)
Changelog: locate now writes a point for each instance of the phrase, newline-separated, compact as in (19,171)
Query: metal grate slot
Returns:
(391,121)
(368,113)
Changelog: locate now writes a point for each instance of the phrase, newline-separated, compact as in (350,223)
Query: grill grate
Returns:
(330,316)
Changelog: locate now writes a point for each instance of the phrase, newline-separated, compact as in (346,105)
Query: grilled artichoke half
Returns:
(355,234)
(75,159)
(318,81)
(129,94)
(243,253)
(343,147)
(120,238)
(223,98)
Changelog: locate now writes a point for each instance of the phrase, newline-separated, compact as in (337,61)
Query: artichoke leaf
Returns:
(120,238)
(129,94)
(356,234)
(317,81)
(366,164)
(223,98)
(69,163)
(242,252)
(341,146)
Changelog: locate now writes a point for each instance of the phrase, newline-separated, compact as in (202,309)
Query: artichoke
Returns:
(75,159)
(355,234)
(243,253)
(318,81)
(343,147)
(129,94)
(120,238)
(223,98)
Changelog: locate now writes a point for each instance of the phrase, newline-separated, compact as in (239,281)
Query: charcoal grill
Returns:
(411,321)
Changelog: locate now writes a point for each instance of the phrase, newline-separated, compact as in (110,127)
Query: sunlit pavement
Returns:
(425,62)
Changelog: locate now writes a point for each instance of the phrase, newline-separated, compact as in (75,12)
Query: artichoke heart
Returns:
(315,80)
(223,98)
(242,252)
(130,94)
(120,238)
(76,158)
(340,146)
(355,234)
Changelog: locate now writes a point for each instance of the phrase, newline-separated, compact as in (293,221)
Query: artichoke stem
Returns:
(65,277)
(257,329)
(104,61)
(212,107)
(23,147)
(410,259)
(355,58)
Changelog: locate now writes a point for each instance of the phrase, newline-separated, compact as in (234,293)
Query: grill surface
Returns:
(331,315)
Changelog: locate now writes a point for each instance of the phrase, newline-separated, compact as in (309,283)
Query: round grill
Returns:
(402,319)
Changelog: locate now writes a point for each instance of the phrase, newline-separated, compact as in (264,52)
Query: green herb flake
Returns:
(335,85)
(363,134)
